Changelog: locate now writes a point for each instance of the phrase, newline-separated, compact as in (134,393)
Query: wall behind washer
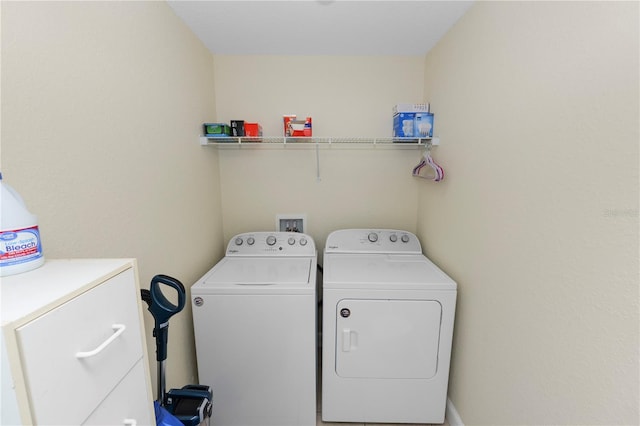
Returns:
(347,97)
(537,220)
(102,103)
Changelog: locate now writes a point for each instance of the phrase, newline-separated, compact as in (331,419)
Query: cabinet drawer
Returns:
(128,404)
(56,377)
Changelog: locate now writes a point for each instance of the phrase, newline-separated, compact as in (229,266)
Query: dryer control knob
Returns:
(251,241)
(291,241)
(303,241)
(373,237)
(271,240)
(393,238)
(238,241)
(405,238)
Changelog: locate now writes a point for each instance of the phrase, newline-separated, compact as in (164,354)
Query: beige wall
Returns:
(347,97)
(102,103)
(537,220)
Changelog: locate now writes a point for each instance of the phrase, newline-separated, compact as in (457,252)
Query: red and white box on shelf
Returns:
(296,128)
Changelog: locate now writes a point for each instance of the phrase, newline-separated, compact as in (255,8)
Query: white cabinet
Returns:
(74,350)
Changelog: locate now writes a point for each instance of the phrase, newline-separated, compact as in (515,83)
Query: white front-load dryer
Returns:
(254,318)
(388,315)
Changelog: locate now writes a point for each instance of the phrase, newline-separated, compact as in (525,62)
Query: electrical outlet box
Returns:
(294,222)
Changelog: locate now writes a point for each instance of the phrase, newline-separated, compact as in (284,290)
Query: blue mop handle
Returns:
(162,309)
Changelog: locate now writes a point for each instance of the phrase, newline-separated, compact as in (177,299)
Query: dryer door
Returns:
(387,339)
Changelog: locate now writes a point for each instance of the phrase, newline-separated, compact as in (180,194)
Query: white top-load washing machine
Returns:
(388,315)
(254,316)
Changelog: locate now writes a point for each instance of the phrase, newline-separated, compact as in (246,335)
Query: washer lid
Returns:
(260,275)
(384,271)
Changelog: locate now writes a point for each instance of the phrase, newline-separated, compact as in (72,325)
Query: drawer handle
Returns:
(130,422)
(120,328)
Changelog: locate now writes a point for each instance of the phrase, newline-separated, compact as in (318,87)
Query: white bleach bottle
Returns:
(20,246)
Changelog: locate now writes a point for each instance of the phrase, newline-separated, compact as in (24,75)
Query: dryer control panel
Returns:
(271,244)
(391,241)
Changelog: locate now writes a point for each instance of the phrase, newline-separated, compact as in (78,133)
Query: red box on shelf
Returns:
(252,129)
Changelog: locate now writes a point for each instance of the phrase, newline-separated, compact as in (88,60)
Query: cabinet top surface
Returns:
(53,282)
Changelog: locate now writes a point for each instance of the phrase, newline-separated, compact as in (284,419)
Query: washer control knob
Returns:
(303,241)
(393,238)
(291,241)
(405,238)
(238,241)
(373,237)
(251,241)
(271,240)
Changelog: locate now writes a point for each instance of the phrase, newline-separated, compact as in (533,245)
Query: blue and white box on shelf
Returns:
(413,125)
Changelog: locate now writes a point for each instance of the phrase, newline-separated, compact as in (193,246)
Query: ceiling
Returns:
(319,27)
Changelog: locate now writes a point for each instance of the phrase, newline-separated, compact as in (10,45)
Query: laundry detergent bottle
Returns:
(20,246)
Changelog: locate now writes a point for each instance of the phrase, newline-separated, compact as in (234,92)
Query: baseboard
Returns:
(453,418)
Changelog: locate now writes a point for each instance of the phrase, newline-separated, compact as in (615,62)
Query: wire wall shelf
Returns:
(316,142)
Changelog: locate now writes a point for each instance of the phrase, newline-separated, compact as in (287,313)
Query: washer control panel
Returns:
(271,244)
(373,241)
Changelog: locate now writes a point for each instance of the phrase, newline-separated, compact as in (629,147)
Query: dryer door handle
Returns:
(349,340)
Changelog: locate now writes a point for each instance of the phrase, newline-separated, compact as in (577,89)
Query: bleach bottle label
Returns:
(20,246)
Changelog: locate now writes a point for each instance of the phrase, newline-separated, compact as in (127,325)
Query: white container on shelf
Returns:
(20,246)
